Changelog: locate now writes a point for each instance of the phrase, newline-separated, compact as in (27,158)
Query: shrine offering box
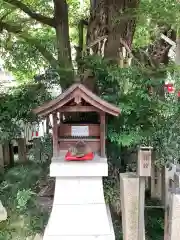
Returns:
(81,119)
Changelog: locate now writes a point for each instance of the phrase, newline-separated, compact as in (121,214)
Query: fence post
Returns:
(11,153)
(1,158)
(6,153)
(22,149)
(37,148)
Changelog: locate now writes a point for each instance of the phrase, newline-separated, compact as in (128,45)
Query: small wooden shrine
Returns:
(78,118)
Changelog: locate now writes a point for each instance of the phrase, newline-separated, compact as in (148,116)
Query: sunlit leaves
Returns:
(152,14)
(162,11)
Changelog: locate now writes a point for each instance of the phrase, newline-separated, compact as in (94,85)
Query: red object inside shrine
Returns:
(70,157)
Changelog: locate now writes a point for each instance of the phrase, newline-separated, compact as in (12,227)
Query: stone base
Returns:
(79,211)
(80,223)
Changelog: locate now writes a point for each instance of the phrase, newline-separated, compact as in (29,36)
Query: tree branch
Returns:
(10,27)
(15,29)
(6,14)
(38,17)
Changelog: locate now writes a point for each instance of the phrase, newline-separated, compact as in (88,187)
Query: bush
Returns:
(17,193)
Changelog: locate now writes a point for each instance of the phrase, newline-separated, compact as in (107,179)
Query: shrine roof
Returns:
(76,89)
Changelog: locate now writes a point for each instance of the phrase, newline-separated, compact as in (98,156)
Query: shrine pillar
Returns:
(55,136)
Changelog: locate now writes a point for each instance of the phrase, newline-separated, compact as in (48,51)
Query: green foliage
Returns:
(145,119)
(16,106)
(160,11)
(14,181)
(23,58)
(117,230)
(154,219)
(23,196)
(154,223)
(111,190)
(21,52)
(152,17)
(17,193)
(33,47)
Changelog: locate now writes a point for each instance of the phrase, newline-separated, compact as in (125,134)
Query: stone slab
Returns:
(174,218)
(94,168)
(77,220)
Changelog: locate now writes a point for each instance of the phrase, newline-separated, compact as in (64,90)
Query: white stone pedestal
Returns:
(79,211)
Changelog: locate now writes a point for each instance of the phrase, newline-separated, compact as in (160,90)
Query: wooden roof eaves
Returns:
(55,108)
(41,110)
(69,94)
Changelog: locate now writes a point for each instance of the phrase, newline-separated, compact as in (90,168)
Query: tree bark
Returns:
(6,153)
(159,50)
(1,158)
(63,43)
(115,19)
(62,32)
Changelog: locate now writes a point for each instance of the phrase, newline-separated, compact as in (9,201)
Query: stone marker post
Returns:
(143,171)
(132,189)
(174,216)
(129,189)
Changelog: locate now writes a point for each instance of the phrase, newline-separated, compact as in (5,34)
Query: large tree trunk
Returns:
(62,33)
(114,20)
